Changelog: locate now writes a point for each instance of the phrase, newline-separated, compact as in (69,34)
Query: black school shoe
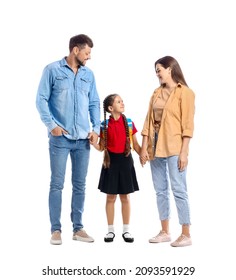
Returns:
(109,239)
(127,238)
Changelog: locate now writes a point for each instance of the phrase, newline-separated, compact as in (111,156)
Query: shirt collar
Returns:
(63,62)
(111,119)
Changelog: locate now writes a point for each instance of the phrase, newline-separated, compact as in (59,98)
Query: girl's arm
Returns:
(136,145)
(100,145)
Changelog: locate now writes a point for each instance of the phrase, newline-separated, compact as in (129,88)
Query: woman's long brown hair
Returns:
(176,72)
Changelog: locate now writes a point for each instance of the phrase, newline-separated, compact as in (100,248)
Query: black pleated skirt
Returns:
(120,177)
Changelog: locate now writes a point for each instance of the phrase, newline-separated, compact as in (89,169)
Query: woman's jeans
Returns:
(59,149)
(165,170)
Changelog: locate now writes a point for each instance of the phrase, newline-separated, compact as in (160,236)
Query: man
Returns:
(67,101)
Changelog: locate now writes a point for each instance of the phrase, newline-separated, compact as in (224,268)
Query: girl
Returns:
(166,133)
(118,175)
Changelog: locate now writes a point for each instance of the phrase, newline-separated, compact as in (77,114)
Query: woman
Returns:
(167,131)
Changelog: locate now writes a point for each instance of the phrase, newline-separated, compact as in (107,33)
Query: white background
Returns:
(129,36)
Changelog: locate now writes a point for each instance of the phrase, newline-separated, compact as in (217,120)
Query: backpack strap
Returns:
(130,126)
(103,128)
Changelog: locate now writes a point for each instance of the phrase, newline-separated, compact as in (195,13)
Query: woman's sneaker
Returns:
(161,237)
(182,241)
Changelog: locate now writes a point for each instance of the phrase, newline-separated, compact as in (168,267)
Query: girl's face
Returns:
(118,105)
(164,75)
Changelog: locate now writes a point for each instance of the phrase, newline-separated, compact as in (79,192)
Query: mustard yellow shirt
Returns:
(158,107)
(177,121)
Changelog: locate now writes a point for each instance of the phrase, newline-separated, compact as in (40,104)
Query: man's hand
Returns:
(58,131)
(93,138)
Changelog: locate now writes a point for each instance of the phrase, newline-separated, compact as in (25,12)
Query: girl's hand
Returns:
(93,138)
(143,157)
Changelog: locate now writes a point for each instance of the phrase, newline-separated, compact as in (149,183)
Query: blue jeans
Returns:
(59,149)
(164,170)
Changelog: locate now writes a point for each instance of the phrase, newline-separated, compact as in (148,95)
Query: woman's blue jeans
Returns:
(59,149)
(164,170)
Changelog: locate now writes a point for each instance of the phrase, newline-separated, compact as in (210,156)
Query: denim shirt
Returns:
(69,100)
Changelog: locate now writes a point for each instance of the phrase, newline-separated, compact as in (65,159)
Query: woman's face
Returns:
(164,75)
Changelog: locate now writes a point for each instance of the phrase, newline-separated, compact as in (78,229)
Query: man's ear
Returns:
(76,50)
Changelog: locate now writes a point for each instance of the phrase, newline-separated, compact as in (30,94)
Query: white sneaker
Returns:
(182,241)
(161,237)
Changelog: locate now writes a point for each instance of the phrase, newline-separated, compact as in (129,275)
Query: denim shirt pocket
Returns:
(84,85)
(61,84)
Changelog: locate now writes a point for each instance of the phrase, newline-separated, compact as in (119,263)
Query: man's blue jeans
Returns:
(163,170)
(59,149)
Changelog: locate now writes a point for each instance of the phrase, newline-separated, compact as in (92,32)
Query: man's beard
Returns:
(80,63)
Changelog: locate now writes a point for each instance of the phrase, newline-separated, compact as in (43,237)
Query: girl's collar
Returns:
(114,118)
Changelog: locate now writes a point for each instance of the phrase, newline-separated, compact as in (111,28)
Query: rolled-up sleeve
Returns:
(188,110)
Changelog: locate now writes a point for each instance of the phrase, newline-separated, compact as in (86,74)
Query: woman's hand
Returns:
(183,156)
(143,156)
(183,161)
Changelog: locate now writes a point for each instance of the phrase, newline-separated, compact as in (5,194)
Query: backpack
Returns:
(130,126)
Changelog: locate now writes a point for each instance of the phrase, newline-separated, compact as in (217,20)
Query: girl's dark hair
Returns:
(108,101)
(81,41)
(176,72)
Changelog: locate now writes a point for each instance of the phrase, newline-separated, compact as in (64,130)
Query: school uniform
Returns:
(120,177)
